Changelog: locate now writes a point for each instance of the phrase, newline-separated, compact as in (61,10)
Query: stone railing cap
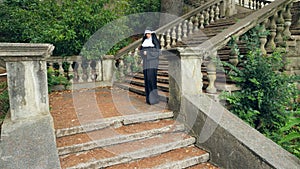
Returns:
(25,51)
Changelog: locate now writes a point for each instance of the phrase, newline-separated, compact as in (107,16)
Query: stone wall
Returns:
(231,142)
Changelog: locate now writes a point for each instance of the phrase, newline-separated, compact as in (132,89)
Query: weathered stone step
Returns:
(110,136)
(126,152)
(113,121)
(160,79)
(174,159)
(140,82)
(141,90)
(204,166)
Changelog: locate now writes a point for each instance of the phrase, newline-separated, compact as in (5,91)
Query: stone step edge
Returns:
(114,122)
(142,153)
(188,162)
(119,139)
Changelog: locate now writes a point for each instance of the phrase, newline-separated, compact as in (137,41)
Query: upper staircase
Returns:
(202,27)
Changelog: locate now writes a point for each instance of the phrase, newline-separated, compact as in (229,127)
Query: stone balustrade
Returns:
(275,17)
(253,4)
(176,31)
(80,70)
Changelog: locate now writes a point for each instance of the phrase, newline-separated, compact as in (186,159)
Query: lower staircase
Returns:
(141,136)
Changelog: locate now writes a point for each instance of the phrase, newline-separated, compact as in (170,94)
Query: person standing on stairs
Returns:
(150,51)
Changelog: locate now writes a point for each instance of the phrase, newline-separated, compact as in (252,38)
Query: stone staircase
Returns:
(144,138)
(135,83)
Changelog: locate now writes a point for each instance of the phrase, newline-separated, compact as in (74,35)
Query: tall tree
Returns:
(174,7)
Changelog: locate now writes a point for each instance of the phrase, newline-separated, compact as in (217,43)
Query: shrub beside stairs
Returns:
(143,140)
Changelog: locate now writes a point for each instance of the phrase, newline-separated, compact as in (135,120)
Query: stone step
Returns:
(174,159)
(141,90)
(160,78)
(112,135)
(126,152)
(113,121)
(140,82)
(204,166)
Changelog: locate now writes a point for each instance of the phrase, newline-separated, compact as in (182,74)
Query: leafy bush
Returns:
(267,97)
(55,78)
(4,100)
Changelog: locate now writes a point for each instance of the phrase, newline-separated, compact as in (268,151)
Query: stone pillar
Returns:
(108,68)
(230,7)
(27,137)
(185,77)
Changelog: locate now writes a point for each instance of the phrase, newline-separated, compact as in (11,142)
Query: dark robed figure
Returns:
(150,51)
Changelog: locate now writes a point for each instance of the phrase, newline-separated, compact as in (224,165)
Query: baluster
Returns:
(121,68)
(71,72)
(233,57)
(257,4)
(211,75)
(243,3)
(89,71)
(222,9)
(173,36)
(212,14)
(217,12)
(80,71)
(271,43)
(201,21)
(162,41)
(191,26)
(288,21)
(280,27)
(206,17)
(168,39)
(185,29)
(51,65)
(97,70)
(60,68)
(263,37)
(179,34)
(136,52)
(254,4)
(250,4)
(197,22)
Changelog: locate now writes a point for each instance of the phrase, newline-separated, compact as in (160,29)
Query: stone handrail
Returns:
(276,17)
(177,29)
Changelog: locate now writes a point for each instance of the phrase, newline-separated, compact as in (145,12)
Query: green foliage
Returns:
(4,100)
(266,94)
(55,78)
(67,25)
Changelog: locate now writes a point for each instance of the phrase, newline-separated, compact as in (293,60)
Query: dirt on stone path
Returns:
(74,108)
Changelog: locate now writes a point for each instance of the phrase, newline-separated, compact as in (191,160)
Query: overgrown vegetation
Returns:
(4,101)
(55,79)
(67,24)
(267,99)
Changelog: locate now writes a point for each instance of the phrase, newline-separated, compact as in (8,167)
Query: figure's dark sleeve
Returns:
(155,41)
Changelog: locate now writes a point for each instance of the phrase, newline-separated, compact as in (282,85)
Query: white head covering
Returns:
(148,31)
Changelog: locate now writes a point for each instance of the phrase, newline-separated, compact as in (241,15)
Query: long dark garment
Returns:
(150,66)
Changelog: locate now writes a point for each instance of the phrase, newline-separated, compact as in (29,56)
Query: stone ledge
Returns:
(233,144)
(27,51)
(28,143)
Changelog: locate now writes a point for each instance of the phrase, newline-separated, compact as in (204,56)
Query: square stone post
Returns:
(27,137)
(230,7)
(185,77)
